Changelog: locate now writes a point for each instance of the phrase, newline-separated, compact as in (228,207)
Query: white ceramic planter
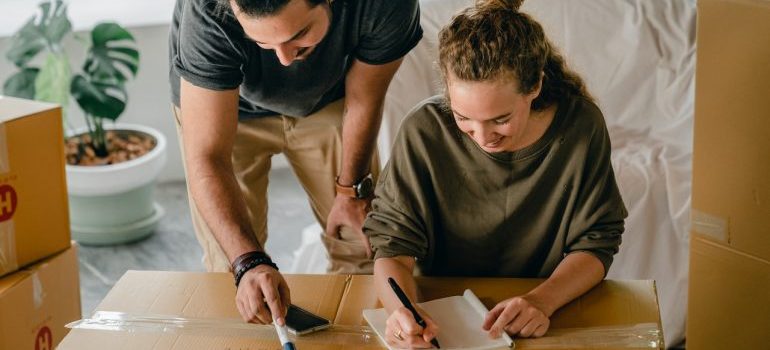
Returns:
(114,204)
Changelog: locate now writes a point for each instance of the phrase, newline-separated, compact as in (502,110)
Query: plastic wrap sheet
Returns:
(637,336)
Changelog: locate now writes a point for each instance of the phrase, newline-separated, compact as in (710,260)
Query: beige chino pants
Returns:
(313,147)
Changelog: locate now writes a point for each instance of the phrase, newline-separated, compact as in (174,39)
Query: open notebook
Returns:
(460,319)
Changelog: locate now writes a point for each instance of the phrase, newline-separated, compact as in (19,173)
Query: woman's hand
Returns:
(403,332)
(522,316)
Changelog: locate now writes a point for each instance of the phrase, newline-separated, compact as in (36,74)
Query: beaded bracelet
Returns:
(248,261)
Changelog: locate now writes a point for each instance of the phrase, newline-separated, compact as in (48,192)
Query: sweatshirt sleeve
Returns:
(599,216)
(397,224)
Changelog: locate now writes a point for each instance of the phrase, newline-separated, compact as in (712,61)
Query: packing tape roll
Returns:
(637,336)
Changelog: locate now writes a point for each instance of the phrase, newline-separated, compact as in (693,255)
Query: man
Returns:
(254,78)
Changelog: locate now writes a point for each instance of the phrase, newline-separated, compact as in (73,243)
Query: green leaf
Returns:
(100,99)
(25,44)
(105,60)
(45,29)
(55,23)
(22,84)
(103,33)
(53,82)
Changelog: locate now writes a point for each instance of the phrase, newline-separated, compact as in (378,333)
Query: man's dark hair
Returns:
(262,8)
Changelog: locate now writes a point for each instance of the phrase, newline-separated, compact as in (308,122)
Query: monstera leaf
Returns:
(112,55)
(44,30)
(52,83)
(21,84)
(99,99)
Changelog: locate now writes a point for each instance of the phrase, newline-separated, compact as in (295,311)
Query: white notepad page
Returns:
(459,319)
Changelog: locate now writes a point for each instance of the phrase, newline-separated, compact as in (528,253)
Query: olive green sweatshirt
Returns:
(464,212)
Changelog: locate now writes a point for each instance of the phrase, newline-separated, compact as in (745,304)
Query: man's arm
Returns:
(365,88)
(209,124)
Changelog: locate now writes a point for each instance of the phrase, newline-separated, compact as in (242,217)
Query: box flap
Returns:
(12,107)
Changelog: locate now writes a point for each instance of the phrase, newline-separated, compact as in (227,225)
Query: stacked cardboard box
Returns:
(178,310)
(729,295)
(38,301)
(34,218)
(39,291)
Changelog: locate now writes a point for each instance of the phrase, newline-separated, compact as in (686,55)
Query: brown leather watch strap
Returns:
(349,191)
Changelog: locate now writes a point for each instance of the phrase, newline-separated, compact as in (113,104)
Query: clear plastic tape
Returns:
(123,322)
(8,259)
(637,336)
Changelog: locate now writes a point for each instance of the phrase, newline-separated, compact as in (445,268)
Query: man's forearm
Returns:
(219,201)
(360,126)
(365,88)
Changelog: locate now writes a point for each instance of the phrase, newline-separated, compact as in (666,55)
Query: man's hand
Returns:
(263,296)
(349,212)
(521,316)
(403,332)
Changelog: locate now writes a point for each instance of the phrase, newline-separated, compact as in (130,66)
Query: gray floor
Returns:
(173,246)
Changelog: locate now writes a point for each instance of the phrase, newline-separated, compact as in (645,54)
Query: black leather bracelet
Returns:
(248,261)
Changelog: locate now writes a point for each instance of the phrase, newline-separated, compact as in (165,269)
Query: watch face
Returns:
(365,189)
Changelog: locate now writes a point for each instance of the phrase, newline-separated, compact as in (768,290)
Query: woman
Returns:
(508,174)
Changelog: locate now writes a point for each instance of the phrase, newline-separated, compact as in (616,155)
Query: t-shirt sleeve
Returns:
(598,220)
(391,29)
(397,224)
(209,54)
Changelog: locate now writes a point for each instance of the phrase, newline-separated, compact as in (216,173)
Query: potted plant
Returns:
(111,168)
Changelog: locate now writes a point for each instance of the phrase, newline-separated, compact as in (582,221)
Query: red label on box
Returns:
(8,202)
(44,339)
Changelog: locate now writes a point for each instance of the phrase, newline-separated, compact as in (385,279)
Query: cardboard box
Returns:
(34,218)
(730,243)
(36,302)
(612,309)
(199,296)
(149,305)
(729,298)
(731,153)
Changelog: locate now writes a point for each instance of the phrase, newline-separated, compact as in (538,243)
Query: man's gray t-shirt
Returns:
(209,49)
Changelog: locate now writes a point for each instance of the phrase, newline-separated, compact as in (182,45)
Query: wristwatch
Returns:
(361,190)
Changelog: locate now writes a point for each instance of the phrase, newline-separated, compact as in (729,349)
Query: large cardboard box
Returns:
(207,302)
(729,289)
(729,298)
(191,311)
(34,217)
(38,301)
(613,315)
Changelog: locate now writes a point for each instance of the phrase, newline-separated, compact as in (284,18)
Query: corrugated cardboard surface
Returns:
(731,159)
(336,297)
(729,294)
(729,298)
(197,296)
(611,303)
(36,303)
(34,216)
